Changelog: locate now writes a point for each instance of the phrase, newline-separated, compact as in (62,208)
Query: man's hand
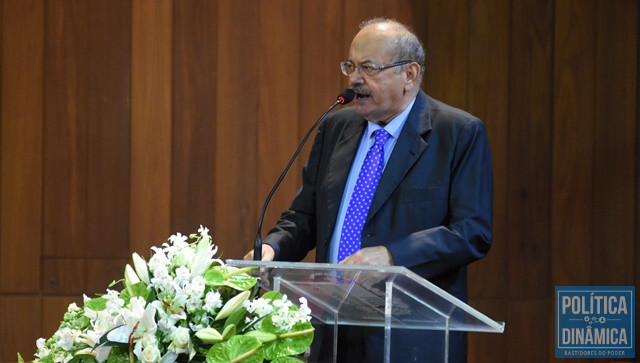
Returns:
(378,255)
(267,253)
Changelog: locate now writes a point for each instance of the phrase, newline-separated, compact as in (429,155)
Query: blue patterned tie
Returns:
(362,196)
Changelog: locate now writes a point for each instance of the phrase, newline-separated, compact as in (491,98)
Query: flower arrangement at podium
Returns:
(182,305)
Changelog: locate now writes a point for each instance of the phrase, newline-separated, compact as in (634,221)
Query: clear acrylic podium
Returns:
(374,296)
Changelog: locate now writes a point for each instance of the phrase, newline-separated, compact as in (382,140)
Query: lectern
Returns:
(374,296)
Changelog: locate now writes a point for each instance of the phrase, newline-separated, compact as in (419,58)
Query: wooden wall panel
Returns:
(447,50)
(488,99)
(573,139)
(20,316)
(108,129)
(236,139)
(151,109)
(101,272)
(320,76)
(65,128)
(21,145)
(529,149)
(278,119)
(194,109)
(531,343)
(63,276)
(615,167)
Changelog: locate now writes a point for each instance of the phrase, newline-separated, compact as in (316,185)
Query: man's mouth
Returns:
(361,92)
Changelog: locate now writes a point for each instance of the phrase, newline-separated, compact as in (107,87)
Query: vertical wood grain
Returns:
(65,128)
(193,145)
(236,138)
(637,186)
(20,316)
(530,318)
(108,116)
(21,115)
(320,76)
(63,276)
(100,273)
(573,140)
(151,108)
(488,98)
(278,120)
(529,149)
(615,166)
(447,49)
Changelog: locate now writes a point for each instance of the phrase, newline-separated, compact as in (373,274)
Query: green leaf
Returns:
(238,349)
(83,358)
(137,290)
(119,354)
(229,276)
(20,360)
(229,331)
(262,336)
(97,304)
(293,342)
(273,295)
(236,317)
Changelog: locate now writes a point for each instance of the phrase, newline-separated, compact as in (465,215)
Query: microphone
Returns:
(344,97)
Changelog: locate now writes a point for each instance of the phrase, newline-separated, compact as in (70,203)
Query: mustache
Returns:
(361,90)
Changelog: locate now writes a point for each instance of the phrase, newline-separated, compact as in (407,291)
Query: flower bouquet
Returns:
(182,305)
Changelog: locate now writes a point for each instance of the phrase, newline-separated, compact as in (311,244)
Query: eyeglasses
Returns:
(369,69)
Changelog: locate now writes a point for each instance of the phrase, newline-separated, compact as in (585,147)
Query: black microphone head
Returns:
(346,95)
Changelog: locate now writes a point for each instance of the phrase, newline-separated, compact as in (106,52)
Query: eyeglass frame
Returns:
(376,69)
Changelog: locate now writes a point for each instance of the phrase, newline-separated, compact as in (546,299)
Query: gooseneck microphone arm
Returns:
(344,97)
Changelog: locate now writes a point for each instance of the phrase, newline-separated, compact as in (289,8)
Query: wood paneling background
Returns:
(124,121)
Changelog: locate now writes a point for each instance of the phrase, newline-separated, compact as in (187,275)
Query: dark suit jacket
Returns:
(433,205)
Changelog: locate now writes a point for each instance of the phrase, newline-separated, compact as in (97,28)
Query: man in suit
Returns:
(430,210)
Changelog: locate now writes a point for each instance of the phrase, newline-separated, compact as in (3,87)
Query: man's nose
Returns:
(356,78)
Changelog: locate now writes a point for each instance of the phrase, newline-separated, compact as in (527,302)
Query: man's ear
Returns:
(412,74)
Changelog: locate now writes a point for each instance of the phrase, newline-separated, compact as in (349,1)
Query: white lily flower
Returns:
(233,304)
(141,268)
(130,278)
(204,231)
(137,317)
(66,338)
(203,257)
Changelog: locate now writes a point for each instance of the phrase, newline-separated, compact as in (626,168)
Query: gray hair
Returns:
(406,46)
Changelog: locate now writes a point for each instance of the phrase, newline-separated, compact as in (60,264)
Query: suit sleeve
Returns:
(467,235)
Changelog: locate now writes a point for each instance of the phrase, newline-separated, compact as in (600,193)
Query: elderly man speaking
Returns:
(398,179)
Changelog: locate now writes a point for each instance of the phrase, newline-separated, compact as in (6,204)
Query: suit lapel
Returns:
(408,148)
(339,167)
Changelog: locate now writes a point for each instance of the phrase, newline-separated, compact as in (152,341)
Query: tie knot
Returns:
(381,136)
